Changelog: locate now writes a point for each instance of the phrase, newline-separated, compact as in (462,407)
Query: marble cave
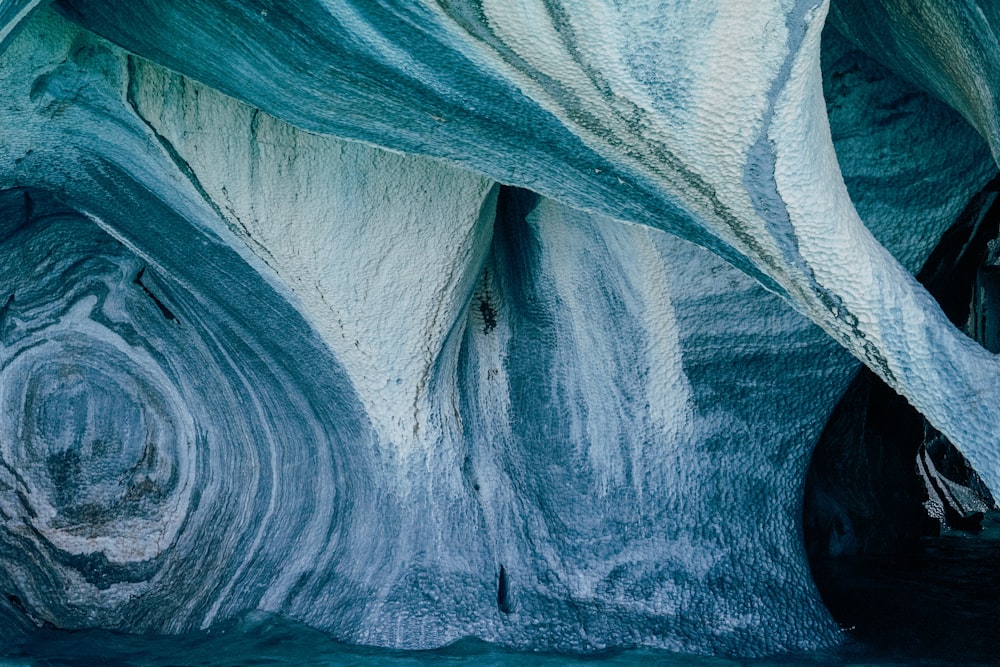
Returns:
(520,320)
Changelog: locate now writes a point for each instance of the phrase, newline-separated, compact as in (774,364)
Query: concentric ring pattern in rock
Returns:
(147,436)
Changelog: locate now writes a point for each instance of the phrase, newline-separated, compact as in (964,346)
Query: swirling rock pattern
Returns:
(144,429)
(948,48)
(728,150)
(244,366)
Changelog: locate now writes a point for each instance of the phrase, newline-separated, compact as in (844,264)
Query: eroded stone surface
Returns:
(288,373)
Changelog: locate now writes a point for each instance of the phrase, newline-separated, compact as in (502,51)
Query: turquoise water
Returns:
(937,606)
(271,642)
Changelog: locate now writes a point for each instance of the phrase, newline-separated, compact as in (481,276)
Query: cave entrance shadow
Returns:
(898,582)
(936,602)
(903,563)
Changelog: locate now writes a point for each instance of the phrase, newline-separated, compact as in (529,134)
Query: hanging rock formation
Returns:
(545,372)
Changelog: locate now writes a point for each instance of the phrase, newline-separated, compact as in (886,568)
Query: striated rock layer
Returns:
(704,120)
(471,387)
(947,48)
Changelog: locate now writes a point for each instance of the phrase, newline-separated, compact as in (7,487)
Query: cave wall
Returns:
(251,365)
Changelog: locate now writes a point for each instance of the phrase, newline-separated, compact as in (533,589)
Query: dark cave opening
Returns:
(902,536)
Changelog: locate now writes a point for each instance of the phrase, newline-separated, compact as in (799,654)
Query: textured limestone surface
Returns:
(947,48)
(12,16)
(428,320)
(603,107)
